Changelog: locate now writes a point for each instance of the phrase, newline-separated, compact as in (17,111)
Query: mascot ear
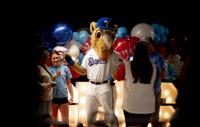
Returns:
(93,26)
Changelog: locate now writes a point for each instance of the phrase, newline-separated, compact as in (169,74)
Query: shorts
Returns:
(60,100)
(135,119)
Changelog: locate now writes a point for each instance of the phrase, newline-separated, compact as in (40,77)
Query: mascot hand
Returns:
(111,81)
(69,60)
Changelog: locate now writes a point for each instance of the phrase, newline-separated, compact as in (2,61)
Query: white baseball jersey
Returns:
(99,70)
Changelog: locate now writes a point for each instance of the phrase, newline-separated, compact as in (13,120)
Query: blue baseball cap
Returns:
(105,23)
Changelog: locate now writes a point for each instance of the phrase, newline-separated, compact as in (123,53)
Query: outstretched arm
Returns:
(75,66)
(79,69)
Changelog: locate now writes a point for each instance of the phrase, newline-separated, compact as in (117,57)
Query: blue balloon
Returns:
(121,32)
(48,45)
(83,36)
(63,34)
(154,25)
(155,28)
(163,39)
(158,29)
(76,36)
(80,57)
(171,73)
(157,39)
(161,30)
(161,33)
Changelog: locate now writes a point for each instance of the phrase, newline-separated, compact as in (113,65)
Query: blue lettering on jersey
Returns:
(95,61)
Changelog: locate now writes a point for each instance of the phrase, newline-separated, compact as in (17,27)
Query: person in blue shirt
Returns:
(62,77)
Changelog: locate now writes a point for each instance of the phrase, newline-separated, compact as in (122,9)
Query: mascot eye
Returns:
(98,34)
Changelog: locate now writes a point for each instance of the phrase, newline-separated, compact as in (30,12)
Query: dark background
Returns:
(177,24)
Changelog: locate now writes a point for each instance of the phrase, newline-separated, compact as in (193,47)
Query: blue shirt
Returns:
(60,89)
(158,60)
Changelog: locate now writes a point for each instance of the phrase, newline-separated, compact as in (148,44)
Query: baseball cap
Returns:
(60,48)
(105,23)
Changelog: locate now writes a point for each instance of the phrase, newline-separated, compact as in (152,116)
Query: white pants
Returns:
(100,95)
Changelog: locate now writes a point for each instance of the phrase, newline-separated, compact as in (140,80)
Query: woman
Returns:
(62,76)
(139,100)
(45,85)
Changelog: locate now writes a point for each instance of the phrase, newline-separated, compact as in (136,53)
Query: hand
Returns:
(71,100)
(58,72)
(111,81)
(53,83)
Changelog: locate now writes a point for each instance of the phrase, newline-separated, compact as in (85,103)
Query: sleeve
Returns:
(160,63)
(68,73)
(153,78)
(42,80)
(51,70)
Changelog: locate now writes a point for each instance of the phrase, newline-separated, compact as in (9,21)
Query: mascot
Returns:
(99,63)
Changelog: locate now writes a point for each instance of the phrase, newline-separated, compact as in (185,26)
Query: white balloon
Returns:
(142,30)
(74,51)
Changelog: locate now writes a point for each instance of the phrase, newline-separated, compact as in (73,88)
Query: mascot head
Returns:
(102,36)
